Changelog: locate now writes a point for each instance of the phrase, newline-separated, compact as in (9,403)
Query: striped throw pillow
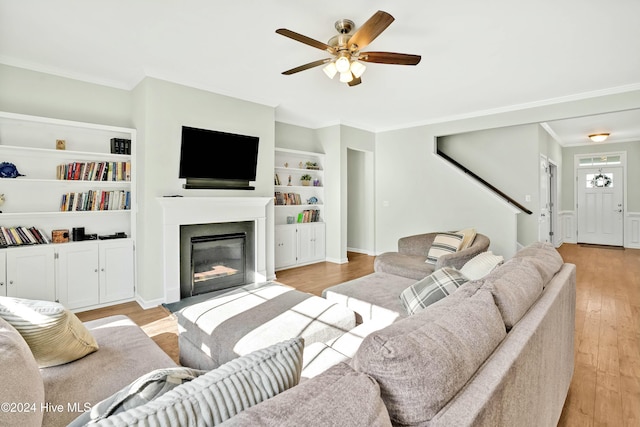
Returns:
(218,395)
(444,243)
(54,334)
(432,288)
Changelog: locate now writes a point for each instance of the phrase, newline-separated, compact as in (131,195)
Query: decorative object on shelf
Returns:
(61,144)
(316,182)
(289,183)
(306,179)
(60,236)
(312,166)
(300,165)
(276,180)
(286,164)
(9,170)
(312,200)
(1,200)
(291,220)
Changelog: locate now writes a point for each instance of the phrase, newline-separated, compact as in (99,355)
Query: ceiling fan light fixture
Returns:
(598,137)
(346,77)
(343,64)
(358,68)
(330,70)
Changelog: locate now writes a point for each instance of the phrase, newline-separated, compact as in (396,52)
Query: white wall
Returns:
(163,108)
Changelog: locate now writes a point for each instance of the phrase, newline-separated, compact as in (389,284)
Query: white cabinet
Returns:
(30,272)
(77,275)
(311,243)
(299,244)
(299,204)
(57,159)
(95,273)
(116,270)
(286,246)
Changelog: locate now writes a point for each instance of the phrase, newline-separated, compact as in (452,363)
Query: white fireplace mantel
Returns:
(177,211)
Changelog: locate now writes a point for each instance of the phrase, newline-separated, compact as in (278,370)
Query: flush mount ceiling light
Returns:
(598,137)
(345,48)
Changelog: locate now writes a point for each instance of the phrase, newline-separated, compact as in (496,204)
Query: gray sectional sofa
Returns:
(497,352)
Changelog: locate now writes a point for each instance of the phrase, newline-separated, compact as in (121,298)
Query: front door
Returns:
(600,206)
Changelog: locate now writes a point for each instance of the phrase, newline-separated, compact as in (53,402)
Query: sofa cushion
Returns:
(432,288)
(481,265)
(469,236)
(126,353)
(545,257)
(515,286)
(223,392)
(143,390)
(54,334)
(444,243)
(423,360)
(339,396)
(21,382)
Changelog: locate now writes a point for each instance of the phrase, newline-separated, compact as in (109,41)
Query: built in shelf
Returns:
(77,155)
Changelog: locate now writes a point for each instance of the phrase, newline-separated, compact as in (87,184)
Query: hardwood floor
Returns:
(606,382)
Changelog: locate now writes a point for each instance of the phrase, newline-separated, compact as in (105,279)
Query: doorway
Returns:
(360,202)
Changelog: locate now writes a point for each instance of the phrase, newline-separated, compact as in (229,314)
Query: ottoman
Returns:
(249,318)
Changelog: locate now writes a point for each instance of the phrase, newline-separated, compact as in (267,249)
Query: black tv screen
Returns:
(214,155)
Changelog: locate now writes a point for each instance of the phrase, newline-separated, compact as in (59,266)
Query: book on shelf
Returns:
(22,236)
(96,200)
(309,215)
(282,199)
(120,146)
(94,171)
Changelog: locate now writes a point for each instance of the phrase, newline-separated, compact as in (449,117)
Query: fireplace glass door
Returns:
(217,262)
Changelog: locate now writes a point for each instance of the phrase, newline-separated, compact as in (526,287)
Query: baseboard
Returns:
(338,260)
(361,251)
(149,304)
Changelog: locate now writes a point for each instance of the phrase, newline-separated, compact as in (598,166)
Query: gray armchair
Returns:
(410,259)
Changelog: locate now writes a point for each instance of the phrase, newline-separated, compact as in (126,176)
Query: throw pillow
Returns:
(143,390)
(481,265)
(444,243)
(54,334)
(218,395)
(432,288)
(469,236)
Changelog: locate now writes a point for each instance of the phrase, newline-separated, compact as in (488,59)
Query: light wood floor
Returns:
(606,383)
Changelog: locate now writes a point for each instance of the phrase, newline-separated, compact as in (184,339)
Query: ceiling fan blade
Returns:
(306,40)
(306,66)
(370,30)
(390,58)
(355,81)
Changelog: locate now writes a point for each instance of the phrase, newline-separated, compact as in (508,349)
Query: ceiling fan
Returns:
(346,49)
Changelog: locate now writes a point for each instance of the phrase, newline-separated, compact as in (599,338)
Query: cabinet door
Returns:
(3,273)
(31,273)
(116,270)
(310,242)
(77,276)
(285,253)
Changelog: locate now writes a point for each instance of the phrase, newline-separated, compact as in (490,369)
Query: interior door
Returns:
(600,206)
(544,226)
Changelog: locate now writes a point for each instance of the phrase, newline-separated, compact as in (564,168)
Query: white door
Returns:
(544,225)
(30,273)
(600,206)
(78,275)
(116,270)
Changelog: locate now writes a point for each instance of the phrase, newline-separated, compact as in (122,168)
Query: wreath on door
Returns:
(601,180)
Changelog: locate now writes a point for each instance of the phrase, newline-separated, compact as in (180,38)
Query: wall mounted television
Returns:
(211,159)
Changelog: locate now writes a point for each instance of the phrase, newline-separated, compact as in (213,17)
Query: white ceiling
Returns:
(477,57)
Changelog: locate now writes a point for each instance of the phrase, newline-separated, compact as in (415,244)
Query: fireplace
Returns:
(180,211)
(216,256)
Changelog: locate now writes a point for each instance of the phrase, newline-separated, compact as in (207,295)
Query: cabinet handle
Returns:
(96,270)
(102,269)
(1,283)
(11,282)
